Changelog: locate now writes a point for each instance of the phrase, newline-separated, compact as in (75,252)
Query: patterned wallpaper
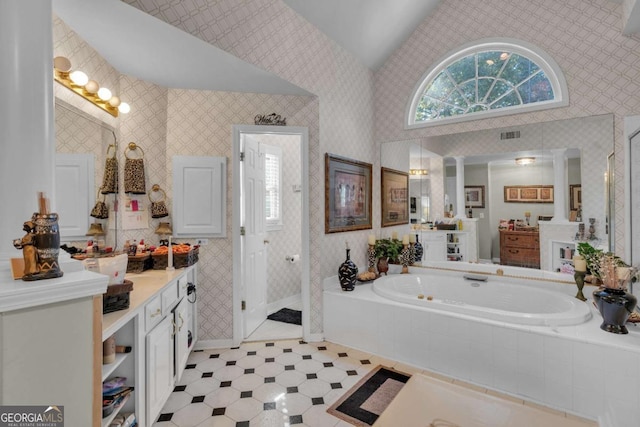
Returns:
(199,124)
(601,66)
(272,36)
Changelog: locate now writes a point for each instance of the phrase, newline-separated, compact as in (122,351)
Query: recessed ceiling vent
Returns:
(514,134)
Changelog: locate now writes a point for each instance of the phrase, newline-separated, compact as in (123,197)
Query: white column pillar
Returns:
(559,181)
(27,139)
(460,213)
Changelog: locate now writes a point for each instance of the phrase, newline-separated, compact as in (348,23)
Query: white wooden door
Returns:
(181,339)
(254,245)
(160,379)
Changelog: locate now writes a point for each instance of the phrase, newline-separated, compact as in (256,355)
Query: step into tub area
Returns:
(578,369)
(437,402)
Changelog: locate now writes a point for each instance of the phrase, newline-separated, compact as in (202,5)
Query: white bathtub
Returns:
(560,366)
(484,297)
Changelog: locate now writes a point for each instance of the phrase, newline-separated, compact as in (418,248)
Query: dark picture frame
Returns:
(347,194)
(528,194)
(575,197)
(394,197)
(474,196)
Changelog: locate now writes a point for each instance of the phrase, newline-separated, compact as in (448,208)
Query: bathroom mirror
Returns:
(489,158)
(78,133)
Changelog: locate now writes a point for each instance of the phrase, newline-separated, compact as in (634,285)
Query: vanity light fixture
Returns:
(418,172)
(78,82)
(524,161)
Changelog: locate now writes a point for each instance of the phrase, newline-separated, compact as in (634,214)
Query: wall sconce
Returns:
(79,82)
(523,161)
(418,172)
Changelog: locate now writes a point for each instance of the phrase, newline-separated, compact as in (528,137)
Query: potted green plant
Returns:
(388,248)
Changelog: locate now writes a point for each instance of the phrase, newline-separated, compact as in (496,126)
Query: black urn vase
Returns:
(418,250)
(615,306)
(347,273)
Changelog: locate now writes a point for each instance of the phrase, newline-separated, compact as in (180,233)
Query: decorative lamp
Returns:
(164,228)
(95,230)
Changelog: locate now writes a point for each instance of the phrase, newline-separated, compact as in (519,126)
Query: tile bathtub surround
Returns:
(272,383)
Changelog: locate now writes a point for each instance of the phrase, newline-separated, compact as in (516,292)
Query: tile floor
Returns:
(272,330)
(270,384)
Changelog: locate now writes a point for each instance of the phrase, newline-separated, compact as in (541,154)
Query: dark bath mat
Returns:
(365,401)
(287,315)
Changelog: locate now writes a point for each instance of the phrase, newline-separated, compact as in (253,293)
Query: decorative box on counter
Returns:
(139,263)
(183,256)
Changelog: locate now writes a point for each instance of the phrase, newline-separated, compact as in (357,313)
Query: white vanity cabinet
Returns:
(159,366)
(435,246)
(157,325)
(444,245)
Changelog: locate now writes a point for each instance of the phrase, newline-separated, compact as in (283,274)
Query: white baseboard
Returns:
(277,305)
(208,344)
(315,338)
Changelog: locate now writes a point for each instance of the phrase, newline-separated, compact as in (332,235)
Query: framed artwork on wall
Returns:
(474,196)
(347,194)
(575,197)
(528,193)
(395,200)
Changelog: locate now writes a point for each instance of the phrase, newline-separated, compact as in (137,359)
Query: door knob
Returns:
(266,242)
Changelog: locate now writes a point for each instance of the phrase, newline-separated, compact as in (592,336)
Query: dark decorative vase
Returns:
(615,306)
(418,250)
(383,265)
(347,273)
(47,242)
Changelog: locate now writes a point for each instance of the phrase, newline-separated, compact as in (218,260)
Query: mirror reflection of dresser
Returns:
(520,248)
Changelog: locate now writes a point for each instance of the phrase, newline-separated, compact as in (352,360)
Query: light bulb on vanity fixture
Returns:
(418,172)
(78,82)
(524,161)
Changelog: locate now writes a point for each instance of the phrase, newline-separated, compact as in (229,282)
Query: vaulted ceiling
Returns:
(143,46)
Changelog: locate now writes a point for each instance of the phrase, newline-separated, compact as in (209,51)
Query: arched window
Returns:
(486,79)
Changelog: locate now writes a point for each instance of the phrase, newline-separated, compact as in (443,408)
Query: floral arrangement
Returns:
(610,270)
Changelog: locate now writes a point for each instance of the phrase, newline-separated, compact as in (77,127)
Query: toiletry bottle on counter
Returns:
(141,247)
(133,247)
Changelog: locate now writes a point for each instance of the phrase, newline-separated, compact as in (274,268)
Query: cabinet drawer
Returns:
(519,241)
(521,255)
(182,286)
(152,313)
(169,297)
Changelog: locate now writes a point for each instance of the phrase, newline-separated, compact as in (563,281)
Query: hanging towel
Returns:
(134,171)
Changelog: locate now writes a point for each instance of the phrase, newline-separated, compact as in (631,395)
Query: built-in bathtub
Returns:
(575,368)
(484,296)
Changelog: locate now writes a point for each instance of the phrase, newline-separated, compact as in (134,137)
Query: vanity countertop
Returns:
(146,285)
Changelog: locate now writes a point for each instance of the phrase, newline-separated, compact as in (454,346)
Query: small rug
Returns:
(287,315)
(365,401)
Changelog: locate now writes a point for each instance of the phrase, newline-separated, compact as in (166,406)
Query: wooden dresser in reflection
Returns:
(520,248)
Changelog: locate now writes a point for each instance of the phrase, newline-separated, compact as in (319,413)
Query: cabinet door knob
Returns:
(156,313)
(175,327)
(181,321)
